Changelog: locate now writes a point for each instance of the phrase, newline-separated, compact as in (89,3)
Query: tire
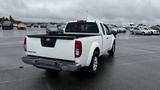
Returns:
(93,67)
(112,51)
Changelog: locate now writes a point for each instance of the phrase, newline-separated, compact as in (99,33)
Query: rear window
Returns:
(82,27)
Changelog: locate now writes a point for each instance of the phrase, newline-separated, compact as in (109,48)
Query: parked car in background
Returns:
(43,25)
(134,30)
(21,26)
(141,31)
(35,25)
(156,27)
(145,31)
(154,32)
(62,27)
(51,28)
(121,30)
(29,25)
(7,25)
(14,25)
(113,28)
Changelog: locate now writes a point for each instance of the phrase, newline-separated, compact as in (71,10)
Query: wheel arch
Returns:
(94,47)
(98,50)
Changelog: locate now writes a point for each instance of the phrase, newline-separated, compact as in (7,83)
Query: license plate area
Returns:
(47,63)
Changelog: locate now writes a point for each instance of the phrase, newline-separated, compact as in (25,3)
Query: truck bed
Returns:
(63,36)
(59,46)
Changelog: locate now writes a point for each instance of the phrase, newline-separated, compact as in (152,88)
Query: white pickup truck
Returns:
(80,45)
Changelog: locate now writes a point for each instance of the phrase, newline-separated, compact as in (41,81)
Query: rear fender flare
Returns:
(92,49)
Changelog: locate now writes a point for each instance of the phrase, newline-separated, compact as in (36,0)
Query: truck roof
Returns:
(85,21)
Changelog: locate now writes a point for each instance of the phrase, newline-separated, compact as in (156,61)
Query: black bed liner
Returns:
(63,36)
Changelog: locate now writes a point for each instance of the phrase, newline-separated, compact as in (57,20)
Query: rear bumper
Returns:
(51,63)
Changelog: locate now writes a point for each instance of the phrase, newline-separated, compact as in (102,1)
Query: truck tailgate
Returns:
(51,47)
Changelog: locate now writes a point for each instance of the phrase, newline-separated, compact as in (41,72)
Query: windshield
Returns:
(85,27)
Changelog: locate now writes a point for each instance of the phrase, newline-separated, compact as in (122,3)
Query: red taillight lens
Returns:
(78,49)
(25,42)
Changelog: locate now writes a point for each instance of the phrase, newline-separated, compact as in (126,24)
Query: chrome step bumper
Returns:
(54,64)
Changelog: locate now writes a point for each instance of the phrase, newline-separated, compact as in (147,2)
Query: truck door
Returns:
(105,39)
(110,36)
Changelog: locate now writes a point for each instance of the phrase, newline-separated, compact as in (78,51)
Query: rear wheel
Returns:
(112,51)
(93,67)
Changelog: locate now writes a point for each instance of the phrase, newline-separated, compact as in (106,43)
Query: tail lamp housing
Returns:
(78,49)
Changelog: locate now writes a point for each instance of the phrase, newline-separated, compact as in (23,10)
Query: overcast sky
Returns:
(109,11)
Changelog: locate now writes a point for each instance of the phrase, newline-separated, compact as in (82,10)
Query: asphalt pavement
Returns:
(135,66)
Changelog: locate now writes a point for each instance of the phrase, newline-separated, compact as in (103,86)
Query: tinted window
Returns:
(82,27)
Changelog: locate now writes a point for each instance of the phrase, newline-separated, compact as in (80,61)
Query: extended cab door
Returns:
(106,38)
(111,37)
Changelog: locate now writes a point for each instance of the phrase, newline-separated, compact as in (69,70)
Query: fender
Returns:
(92,49)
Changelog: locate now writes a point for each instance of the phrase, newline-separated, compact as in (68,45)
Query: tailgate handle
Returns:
(48,42)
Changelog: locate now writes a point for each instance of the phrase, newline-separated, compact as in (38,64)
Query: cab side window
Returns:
(103,29)
(106,28)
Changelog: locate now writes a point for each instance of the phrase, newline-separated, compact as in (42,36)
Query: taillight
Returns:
(78,49)
(25,42)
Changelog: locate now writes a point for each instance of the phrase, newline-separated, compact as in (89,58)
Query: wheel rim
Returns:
(95,63)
